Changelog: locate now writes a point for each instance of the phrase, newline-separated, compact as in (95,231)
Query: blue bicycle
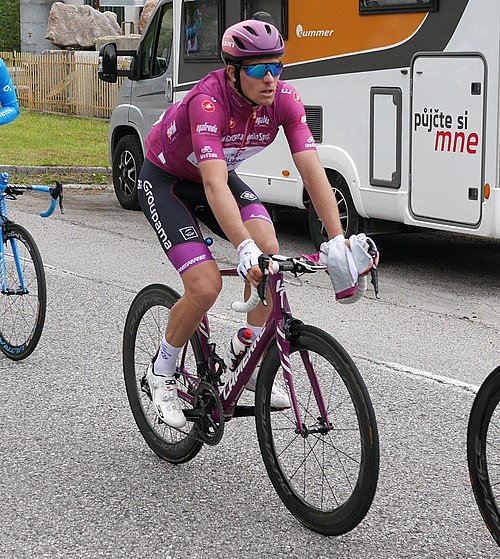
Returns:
(23,297)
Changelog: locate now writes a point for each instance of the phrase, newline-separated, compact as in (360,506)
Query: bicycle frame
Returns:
(276,327)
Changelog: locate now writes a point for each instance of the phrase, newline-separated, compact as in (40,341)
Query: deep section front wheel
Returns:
(326,475)
(144,328)
(483,451)
(24,301)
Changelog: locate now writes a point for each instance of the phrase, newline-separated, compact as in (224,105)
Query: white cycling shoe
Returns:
(165,400)
(279,398)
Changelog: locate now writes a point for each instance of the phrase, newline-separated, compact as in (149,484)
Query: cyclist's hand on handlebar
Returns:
(248,268)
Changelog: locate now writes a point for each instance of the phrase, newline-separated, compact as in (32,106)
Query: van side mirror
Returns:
(108,63)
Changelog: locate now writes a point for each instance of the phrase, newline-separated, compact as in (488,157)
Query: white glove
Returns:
(249,254)
(348,268)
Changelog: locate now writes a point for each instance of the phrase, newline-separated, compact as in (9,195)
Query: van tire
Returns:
(350,219)
(127,162)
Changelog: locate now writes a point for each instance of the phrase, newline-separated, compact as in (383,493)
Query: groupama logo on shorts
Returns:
(208,106)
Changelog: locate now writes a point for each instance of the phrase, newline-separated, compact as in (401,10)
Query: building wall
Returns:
(34,15)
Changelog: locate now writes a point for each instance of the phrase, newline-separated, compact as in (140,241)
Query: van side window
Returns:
(387,6)
(156,47)
(202,20)
(278,10)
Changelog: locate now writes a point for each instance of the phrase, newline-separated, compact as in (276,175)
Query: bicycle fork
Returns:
(15,253)
(323,424)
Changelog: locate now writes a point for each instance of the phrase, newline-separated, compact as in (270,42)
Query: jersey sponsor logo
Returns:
(232,138)
(310,143)
(232,122)
(7,88)
(171,130)
(208,106)
(286,91)
(191,262)
(205,127)
(247,195)
(296,97)
(208,156)
(301,32)
(155,218)
(302,119)
(262,121)
(188,233)
(206,149)
(258,137)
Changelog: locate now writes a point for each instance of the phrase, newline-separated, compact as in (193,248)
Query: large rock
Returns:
(147,11)
(78,27)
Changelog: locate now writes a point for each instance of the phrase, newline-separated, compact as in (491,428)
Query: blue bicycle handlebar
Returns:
(55,192)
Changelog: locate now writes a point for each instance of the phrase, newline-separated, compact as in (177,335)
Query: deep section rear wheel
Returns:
(483,451)
(144,328)
(22,311)
(327,478)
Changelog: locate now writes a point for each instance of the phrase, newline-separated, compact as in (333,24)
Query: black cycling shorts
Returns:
(173,207)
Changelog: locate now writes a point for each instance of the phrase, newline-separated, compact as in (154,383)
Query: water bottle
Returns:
(238,346)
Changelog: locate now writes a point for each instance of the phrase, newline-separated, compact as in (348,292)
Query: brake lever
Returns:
(264,261)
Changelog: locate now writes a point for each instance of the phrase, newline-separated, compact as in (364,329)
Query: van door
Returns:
(152,93)
(447,138)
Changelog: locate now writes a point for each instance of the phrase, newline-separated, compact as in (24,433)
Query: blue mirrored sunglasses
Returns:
(260,70)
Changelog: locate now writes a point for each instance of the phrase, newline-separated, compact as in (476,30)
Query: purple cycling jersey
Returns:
(213,122)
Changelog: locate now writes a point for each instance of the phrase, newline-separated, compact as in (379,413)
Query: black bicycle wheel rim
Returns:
(337,499)
(22,316)
(483,451)
(144,327)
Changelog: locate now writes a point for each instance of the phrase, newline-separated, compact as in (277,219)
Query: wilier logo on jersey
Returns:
(247,195)
(296,97)
(208,106)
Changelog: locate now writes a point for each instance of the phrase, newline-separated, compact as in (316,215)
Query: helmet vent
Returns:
(239,43)
(251,30)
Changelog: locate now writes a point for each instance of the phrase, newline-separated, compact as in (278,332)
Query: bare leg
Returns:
(202,285)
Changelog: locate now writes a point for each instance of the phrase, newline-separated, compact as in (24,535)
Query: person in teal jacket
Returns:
(9,110)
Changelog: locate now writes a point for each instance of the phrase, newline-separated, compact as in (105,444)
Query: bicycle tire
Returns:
(483,442)
(22,315)
(337,499)
(144,327)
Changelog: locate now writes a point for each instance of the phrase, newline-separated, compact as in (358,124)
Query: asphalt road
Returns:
(79,481)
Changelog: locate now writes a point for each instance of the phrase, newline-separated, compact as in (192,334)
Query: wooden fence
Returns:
(61,82)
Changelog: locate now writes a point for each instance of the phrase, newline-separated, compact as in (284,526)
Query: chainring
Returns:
(210,427)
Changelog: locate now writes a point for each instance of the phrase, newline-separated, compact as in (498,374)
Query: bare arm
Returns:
(319,190)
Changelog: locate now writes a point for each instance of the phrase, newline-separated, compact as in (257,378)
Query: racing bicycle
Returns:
(321,454)
(23,297)
(483,451)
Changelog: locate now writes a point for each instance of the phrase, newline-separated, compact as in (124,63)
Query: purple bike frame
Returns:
(273,329)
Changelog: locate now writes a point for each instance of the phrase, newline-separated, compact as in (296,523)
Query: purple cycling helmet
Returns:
(251,39)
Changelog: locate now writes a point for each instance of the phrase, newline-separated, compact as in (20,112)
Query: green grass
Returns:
(54,140)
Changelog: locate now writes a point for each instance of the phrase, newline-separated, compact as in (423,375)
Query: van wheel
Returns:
(349,218)
(127,163)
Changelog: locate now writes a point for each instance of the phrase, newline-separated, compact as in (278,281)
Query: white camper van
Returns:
(402,98)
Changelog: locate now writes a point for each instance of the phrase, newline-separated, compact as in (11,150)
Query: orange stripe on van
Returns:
(316,31)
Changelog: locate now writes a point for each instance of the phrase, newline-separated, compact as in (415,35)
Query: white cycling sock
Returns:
(164,364)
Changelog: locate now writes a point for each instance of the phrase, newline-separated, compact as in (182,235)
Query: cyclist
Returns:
(9,110)
(189,174)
